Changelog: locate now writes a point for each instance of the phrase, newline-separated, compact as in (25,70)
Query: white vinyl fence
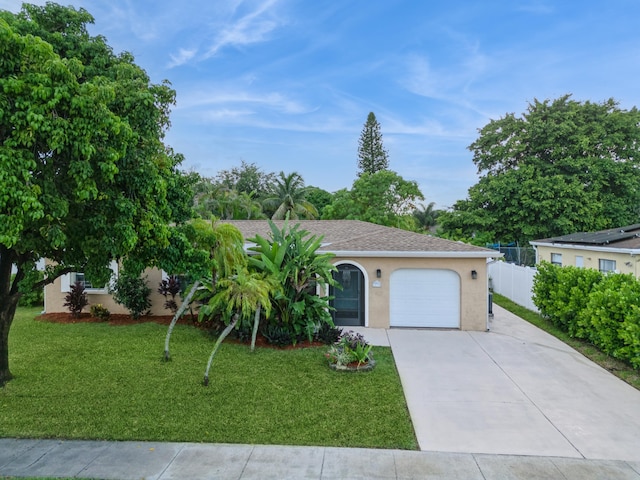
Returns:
(514,282)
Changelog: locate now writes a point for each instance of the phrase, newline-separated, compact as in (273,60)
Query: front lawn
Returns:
(96,381)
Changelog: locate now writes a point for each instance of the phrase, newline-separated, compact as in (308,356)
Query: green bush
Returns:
(99,311)
(629,333)
(603,309)
(133,293)
(609,305)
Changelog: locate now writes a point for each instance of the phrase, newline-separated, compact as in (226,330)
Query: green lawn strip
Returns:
(620,369)
(96,381)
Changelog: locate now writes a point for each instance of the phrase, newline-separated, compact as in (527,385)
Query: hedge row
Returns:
(603,309)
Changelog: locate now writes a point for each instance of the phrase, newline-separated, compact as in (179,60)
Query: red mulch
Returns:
(124,319)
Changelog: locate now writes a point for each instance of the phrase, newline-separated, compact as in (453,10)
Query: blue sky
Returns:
(288,84)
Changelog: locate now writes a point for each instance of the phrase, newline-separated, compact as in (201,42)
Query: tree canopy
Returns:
(561,167)
(383,197)
(84,173)
(372,155)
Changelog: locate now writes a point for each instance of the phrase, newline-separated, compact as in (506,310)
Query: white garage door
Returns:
(425,297)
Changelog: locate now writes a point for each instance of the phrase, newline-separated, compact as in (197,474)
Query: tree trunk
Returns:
(7,312)
(254,333)
(177,316)
(223,335)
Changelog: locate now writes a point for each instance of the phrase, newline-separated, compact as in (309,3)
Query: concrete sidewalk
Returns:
(190,461)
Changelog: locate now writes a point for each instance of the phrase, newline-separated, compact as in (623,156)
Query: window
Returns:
(606,265)
(79,277)
(556,259)
(579,261)
(70,278)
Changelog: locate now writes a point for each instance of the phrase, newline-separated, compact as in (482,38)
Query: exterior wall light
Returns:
(474,275)
(378,273)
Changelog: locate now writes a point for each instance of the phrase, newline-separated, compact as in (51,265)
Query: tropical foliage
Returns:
(291,257)
(287,198)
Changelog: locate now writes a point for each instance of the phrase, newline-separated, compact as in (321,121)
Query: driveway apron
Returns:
(514,390)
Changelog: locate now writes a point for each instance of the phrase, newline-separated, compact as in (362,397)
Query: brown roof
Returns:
(357,238)
(624,238)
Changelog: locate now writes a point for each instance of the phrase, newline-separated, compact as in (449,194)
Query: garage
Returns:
(424,297)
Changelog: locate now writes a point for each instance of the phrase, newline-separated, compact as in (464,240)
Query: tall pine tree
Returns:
(372,157)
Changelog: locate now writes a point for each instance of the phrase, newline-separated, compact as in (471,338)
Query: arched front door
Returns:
(348,301)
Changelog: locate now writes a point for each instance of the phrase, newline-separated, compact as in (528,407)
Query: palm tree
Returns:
(223,245)
(287,196)
(426,217)
(239,296)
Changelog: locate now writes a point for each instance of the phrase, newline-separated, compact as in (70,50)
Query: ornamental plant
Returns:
(100,312)
(351,348)
(76,299)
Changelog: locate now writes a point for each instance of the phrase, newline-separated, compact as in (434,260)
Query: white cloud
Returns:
(182,57)
(273,100)
(252,28)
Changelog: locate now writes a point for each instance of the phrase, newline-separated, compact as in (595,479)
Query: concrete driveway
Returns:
(514,390)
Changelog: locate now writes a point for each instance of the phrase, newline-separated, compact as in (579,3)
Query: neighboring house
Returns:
(54,293)
(389,277)
(613,250)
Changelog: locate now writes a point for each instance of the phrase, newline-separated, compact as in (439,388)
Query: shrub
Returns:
(133,293)
(327,333)
(278,335)
(76,299)
(100,312)
(609,306)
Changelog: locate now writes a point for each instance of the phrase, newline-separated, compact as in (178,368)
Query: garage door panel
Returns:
(425,298)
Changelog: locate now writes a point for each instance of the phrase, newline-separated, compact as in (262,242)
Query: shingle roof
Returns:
(621,237)
(357,238)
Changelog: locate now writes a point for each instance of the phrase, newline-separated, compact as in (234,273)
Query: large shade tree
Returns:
(84,175)
(561,167)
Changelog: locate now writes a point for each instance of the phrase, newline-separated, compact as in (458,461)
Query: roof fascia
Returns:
(412,254)
(593,248)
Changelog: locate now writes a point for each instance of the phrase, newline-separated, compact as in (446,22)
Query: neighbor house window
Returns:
(71,278)
(606,265)
(556,259)
(79,277)
(579,261)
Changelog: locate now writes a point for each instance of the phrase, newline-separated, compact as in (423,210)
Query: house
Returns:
(613,250)
(389,277)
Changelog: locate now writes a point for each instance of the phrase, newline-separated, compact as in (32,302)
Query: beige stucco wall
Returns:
(473,293)
(54,297)
(625,263)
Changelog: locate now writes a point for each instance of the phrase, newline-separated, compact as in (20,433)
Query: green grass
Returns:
(96,381)
(620,369)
